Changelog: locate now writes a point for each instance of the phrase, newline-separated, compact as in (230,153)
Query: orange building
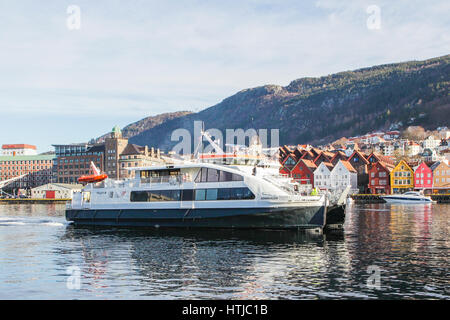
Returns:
(441,178)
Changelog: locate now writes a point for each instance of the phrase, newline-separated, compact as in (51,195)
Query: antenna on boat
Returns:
(200,141)
(207,136)
(94,169)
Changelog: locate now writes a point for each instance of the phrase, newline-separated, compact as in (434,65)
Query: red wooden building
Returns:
(303,172)
(375,157)
(423,177)
(379,181)
(288,164)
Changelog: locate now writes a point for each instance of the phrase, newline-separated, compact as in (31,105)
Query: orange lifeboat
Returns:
(93,178)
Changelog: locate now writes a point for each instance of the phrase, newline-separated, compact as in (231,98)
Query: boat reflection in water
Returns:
(178,263)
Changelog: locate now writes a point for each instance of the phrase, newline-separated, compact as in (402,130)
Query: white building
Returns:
(322,176)
(391,135)
(413,149)
(388,149)
(18,150)
(444,132)
(55,191)
(343,175)
(431,142)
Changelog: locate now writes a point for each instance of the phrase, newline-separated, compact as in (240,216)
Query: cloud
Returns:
(141,57)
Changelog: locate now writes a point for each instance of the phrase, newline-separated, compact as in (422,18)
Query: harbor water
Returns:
(386,251)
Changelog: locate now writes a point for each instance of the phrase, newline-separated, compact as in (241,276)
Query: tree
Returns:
(415,133)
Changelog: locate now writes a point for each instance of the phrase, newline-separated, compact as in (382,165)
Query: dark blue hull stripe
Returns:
(305,217)
(407,199)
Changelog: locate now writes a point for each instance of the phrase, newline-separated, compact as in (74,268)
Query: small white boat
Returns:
(408,197)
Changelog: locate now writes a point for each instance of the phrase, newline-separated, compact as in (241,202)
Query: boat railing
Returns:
(280,181)
(174,179)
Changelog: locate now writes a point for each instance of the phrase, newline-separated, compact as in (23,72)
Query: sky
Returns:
(68,75)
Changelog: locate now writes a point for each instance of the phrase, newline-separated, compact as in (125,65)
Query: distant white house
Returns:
(387,149)
(322,176)
(413,148)
(444,132)
(343,175)
(431,142)
(55,191)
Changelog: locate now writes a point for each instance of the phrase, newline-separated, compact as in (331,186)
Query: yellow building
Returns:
(402,178)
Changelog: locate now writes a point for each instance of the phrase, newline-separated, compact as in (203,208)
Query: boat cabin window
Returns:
(155,195)
(190,195)
(224,194)
(213,175)
(211,194)
(187,195)
(159,173)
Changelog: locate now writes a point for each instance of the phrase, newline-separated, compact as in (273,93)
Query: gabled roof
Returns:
(403,162)
(327,165)
(322,154)
(387,166)
(132,149)
(307,154)
(361,156)
(435,165)
(423,163)
(316,152)
(329,154)
(348,165)
(380,157)
(291,155)
(285,149)
(308,163)
(438,164)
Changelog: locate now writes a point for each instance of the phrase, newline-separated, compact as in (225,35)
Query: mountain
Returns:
(147,123)
(323,109)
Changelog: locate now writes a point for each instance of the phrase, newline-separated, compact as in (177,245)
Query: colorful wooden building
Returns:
(343,175)
(402,178)
(360,163)
(303,172)
(375,157)
(288,164)
(441,178)
(423,177)
(379,181)
(322,176)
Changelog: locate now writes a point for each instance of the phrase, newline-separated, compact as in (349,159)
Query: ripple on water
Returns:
(409,246)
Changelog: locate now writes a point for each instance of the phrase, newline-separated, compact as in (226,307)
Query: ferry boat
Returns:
(410,197)
(238,189)
(198,195)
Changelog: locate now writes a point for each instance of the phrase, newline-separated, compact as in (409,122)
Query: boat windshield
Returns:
(412,193)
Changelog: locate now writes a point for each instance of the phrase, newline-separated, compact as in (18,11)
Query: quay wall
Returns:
(32,201)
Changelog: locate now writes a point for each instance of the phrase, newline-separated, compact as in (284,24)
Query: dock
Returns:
(32,201)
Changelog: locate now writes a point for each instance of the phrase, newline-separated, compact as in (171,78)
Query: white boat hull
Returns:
(403,200)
